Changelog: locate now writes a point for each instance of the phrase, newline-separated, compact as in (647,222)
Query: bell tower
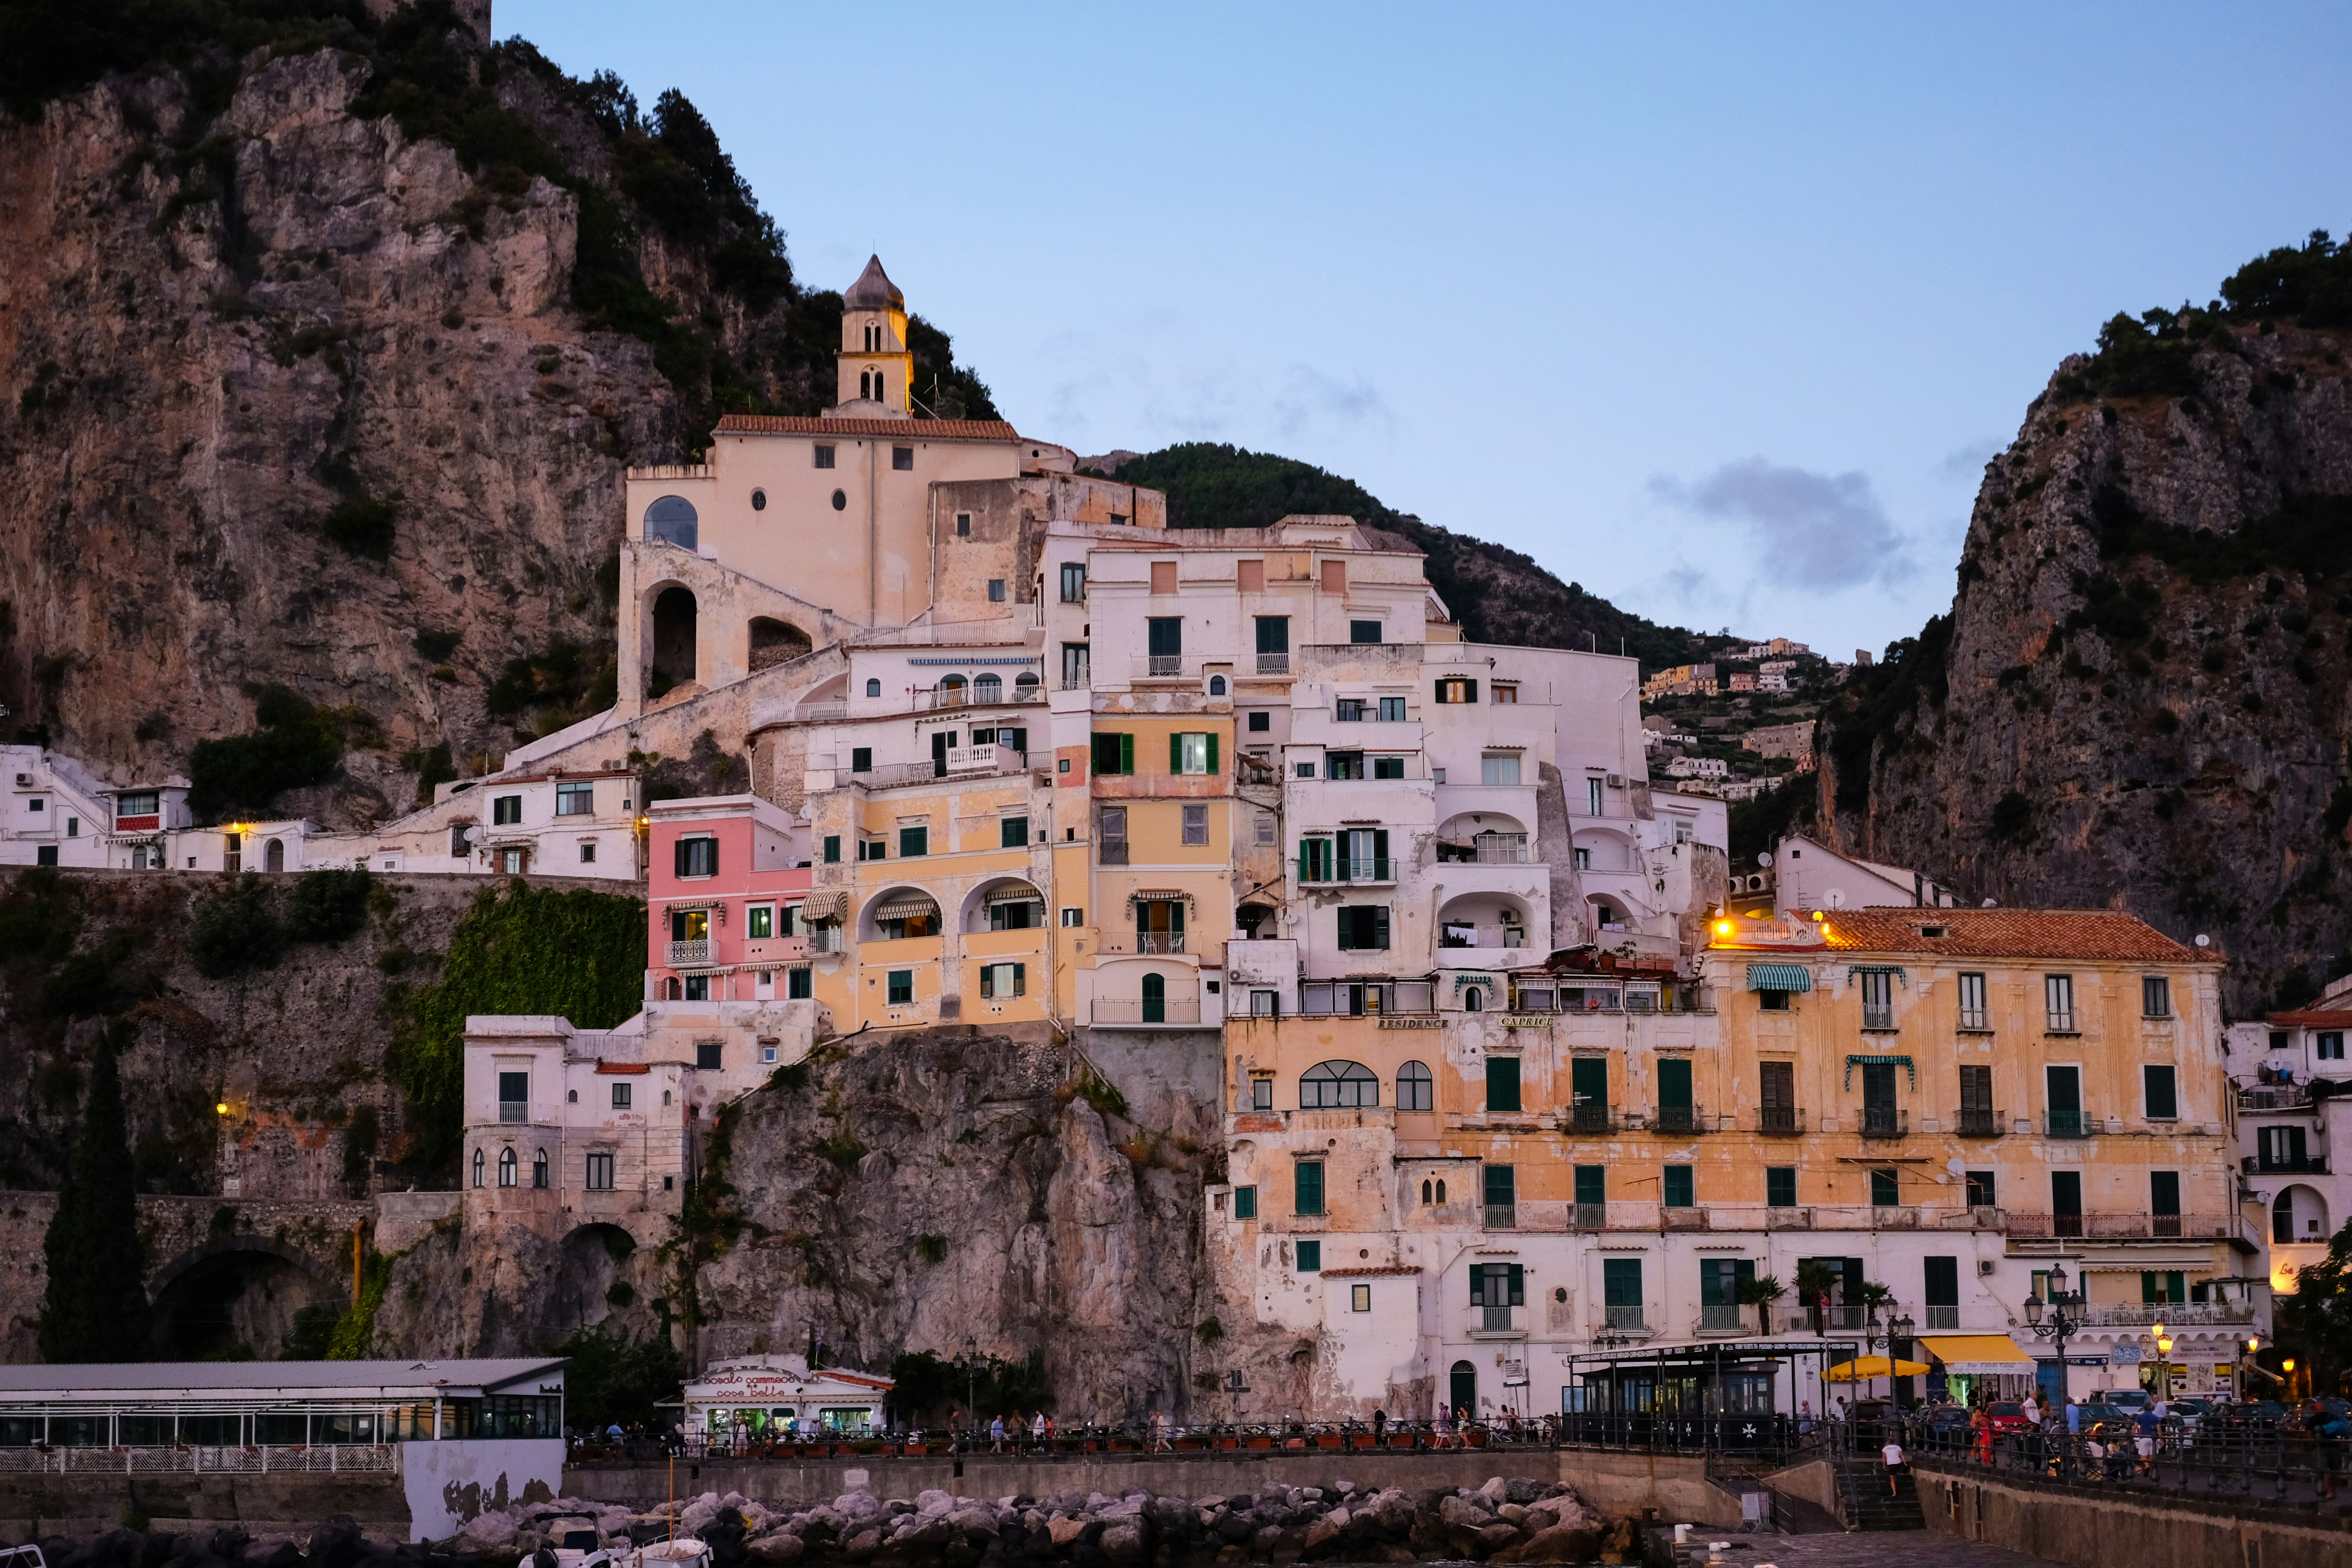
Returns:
(875,365)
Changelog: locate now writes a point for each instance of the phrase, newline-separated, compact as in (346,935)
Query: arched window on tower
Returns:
(477,1167)
(878,386)
(539,1169)
(866,383)
(505,1168)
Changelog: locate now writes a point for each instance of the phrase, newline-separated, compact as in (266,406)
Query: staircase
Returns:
(1870,1505)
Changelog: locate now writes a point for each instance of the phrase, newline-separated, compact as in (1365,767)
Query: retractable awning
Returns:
(1014,893)
(908,907)
(1779,978)
(1986,1354)
(826,904)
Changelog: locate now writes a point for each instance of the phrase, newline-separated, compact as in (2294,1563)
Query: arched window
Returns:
(1337,1085)
(1415,1091)
(988,688)
(1216,686)
(1473,1000)
(1441,1189)
(274,858)
(873,688)
(672,989)
(539,1169)
(2283,1217)
(866,383)
(673,519)
(1155,998)
(479,1167)
(1024,686)
(507,1167)
(1424,1191)
(1461,1391)
(952,691)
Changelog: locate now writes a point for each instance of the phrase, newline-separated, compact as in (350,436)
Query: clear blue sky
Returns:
(1717,310)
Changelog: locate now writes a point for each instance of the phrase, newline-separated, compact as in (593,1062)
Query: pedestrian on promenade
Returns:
(1379,1429)
(2031,1411)
(1980,1436)
(1893,1454)
(1805,1418)
(2073,1418)
(1037,1430)
(996,1432)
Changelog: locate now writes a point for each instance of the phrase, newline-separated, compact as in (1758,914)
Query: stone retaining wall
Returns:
(84,1504)
(2095,1528)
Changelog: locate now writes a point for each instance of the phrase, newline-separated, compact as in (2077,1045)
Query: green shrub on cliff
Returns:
(296,745)
(579,954)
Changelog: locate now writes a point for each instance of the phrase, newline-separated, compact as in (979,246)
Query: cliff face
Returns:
(2139,695)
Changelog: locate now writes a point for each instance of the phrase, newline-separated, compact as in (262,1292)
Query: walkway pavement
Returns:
(1910,1548)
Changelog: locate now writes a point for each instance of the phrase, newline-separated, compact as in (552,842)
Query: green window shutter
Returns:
(1127,753)
(1673,1083)
(1592,1183)
(2148,1289)
(1478,1284)
(1518,1284)
(1588,1080)
(1380,852)
(1305,874)
(1213,751)
(1380,927)
(1502,1083)
(833,848)
(1020,980)
(1346,929)
(1175,754)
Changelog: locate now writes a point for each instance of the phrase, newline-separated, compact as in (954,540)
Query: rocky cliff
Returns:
(2139,695)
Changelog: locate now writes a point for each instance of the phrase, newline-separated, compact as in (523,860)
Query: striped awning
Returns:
(1779,978)
(1014,893)
(908,907)
(826,904)
(1860,969)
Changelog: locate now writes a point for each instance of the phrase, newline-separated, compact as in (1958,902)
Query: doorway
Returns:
(1464,1392)
(1155,999)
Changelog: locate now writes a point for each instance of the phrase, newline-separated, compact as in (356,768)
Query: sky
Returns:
(1717,310)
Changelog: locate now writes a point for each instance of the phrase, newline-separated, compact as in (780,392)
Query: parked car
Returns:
(2133,1399)
(2007,1415)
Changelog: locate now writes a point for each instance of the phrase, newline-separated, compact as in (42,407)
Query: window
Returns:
(575,800)
(1886,1189)
(1077,666)
(902,458)
(2155,996)
(1593,797)
(1164,637)
(1114,835)
(2329,1047)
(506,810)
(796,985)
(1415,1091)
(511,862)
(1074,917)
(833,848)
(479,1165)
(1363,928)
(1012,832)
(1245,1203)
(2058,993)
(2163,1199)
(1261,722)
(1457,688)
(1500,1186)
(1191,753)
(1261,1091)
(1778,1082)
(1000,981)
(1507,692)
(2163,1287)
(587,851)
(696,857)
(145,802)
(1973,1013)
(1772,1001)
(1359,1297)
(2163,1095)
(1983,1190)
(1196,824)
(1311,1256)
(1338,1085)
(458,837)
(1335,577)
(1502,1083)
(1074,583)
(1620,1290)
(697,988)
(1387,767)
(672,518)
(1307,1187)
(873,687)
(1349,710)
(1877,999)
(1781,1186)
(1680,1186)
(861,759)
(621,1097)
(1363,631)
(507,1168)
(963,525)
(824,457)
(539,1169)
(914,842)
(901,987)
(1265,827)
(1503,770)
(996,590)
(1343,765)
(841,501)
(599,1173)
(514,1097)
(1392,709)
(1114,754)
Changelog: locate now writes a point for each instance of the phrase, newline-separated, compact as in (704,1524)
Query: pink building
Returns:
(727,878)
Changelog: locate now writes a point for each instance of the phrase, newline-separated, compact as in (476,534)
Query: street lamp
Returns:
(969,1361)
(2163,1362)
(1898,1332)
(2053,1320)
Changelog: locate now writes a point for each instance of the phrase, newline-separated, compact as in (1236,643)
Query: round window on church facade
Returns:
(841,501)
(759,501)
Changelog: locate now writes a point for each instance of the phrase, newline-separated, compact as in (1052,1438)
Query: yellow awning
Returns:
(1976,1353)
(1862,1368)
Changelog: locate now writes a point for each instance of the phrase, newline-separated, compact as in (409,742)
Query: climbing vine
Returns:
(354,1334)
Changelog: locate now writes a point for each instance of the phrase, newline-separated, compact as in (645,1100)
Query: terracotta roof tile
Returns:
(2312,1018)
(2090,934)
(909,429)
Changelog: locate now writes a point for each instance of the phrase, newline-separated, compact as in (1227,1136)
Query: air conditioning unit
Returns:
(1984,1266)
(23,781)
(1616,781)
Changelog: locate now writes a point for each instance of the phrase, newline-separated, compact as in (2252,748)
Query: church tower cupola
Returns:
(875,365)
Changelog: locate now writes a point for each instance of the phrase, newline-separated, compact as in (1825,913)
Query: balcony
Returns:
(1588,1217)
(1942,1319)
(828,939)
(1722,1317)
(2061,1023)
(1789,1216)
(2117,1227)
(1136,1010)
(1780,1122)
(1878,1018)
(1978,1122)
(1274,664)
(1893,1217)
(1496,1322)
(1678,1121)
(1502,1216)
(1590,1119)
(1159,942)
(1682,1217)
(514,1111)
(2148,1315)
(954,697)
(1885,1123)
(679,954)
(1366,998)
(2275,1096)
(1975,1021)
(2069,1124)
(2284,1164)
(1623,1320)
(1486,849)
(1375,868)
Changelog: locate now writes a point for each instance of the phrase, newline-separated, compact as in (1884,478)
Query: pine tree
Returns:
(96,1310)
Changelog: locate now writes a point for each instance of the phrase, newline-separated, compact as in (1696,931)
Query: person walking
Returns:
(1038,1431)
(1379,1429)
(2073,1418)
(1892,1454)
(996,1433)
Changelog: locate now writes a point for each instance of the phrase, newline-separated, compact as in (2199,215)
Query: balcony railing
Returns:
(1878,1018)
(1136,1010)
(1493,1318)
(684,953)
(1274,664)
(1780,1121)
(1679,1119)
(1588,1217)
(1942,1319)
(826,939)
(1327,998)
(1622,1320)
(514,1111)
(1159,942)
(1978,1122)
(1974,1020)
(2061,1023)
(2284,1164)
(1721,1318)
(1885,1121)
(1372,869)
(1502,1216)
(2275,1096)
(2117,1227)
(1590,1119)
(2069,1124)
(2148,1315)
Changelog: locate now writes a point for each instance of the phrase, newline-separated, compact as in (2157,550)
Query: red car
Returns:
(2006,1416)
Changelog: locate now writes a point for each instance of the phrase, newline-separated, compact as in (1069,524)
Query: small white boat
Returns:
(578,1548)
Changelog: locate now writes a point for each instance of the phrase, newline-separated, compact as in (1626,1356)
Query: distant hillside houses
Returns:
(1794,742)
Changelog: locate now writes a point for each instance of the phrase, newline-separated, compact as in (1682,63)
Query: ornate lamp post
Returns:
(2057,1318)
(969,1361)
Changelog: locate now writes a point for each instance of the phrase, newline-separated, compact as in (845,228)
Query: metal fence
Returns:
(2269,1462)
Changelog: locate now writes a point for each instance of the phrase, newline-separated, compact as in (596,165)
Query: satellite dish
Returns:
(1764,857)
(2204,940)
(1835,899)
(1989,903)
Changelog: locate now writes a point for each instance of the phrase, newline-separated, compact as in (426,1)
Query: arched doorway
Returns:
(1464,1393)
(274,858)
(775,642)
(673,661)
(1155,998)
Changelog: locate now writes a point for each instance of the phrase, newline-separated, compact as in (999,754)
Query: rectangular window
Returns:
(1191,753)
(759,922)
(1457,688)
(1680,1186)
(1387,767)
(1074,583)
(708,1054)
(2058,993)
(1265,827)
(1594,800)
(833,848)
(1249,577)
(144,804)
(621,1097)
(1305,770)
(2163,1095)
(914,842)
(696,857)
(1983,1190)
(1676,1111)
(458,836)
(1315,860)
(689,925)
(506,810)
(1311,1256)
(1114,754)
(1620,1290)
(587,851)
(901,987)
(1343,765)
(1335,577)
(1877,999)
(1012,832)
(2155,996)
(1940,1285)
(1502,1083)
(996,590)
(1261,1091)
(963,525)
(514,1097)
(1363,928)
(575,800)
(1392,709)
(2163,1287)
(1588,1079)
(1363,631)
(1507,692)
(999,982)
(1359,1297)
(697,988)
(1163,576)
(1886,1189)
(1307,1187)
(1114,835)
(1349,710)
(2164,1199)
(861,759)
(599,1173)
(1501,1186)
(1077,666)
(1196,824)
(824,456)
(1776,1082)
(1504,770)
(1261,722)
(1591,1186)
(2063,1087)
(1781,1186)
(1164,635)
(1974,1014)
(902,459)
(1245,1203)
(796,985)
(1074,917)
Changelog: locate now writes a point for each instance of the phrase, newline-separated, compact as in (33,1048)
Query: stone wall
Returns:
(84,1504)
(2093,1527)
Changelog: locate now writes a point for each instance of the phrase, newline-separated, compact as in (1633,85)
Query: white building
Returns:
(55,813)
(1808,875)
(2289,1073)
(765,1397)
(1697,767)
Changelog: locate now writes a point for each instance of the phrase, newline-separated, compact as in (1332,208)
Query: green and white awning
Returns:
(1779,978)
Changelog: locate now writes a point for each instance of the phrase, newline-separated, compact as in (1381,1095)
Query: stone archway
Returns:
(673,663)
(595,1277)
(241,1291)
(775,642)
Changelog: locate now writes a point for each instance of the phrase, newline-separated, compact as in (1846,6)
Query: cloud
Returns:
(1314,397)
(1819,531)
(1969,461)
